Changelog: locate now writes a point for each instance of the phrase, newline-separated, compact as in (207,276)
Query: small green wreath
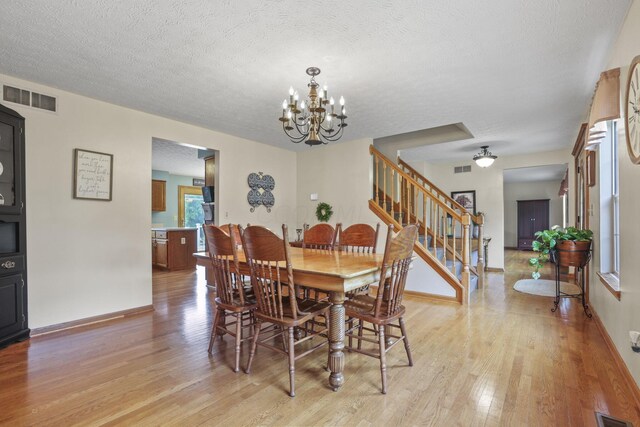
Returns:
(324,212)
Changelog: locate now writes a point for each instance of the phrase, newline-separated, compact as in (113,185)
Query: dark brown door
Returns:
(533,216)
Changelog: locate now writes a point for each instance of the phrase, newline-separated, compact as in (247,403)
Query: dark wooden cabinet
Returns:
(158,195)
(173,249)
(161,253)
(533,216)
(13,234)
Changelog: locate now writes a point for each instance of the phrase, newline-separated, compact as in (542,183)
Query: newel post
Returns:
(466,273)
(481,261)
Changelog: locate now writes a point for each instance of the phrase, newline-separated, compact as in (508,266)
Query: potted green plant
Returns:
(567,247)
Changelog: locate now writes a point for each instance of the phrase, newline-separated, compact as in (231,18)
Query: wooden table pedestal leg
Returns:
(336,340)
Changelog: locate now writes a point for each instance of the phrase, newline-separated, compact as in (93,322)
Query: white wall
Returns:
(488,184)
(515,191)
(87,258)
(621,316)
(341,175)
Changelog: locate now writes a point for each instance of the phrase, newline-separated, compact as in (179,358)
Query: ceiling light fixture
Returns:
(310,120)
(484,158)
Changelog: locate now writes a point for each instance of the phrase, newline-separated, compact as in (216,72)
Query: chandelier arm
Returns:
(331,132)
(336,134)
(294,139)
(323,118)
(335,137)
(300,127)
(326,129)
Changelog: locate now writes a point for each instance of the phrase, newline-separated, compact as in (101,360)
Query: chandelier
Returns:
(484,158)
(314,120)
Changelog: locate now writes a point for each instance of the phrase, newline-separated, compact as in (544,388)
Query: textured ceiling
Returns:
(536,173)
(517,73)
(176,159)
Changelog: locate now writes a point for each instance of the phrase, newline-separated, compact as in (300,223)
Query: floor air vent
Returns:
(462,169)
(604,420)
(28,98)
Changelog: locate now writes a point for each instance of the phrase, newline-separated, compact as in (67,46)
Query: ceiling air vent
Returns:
(32,99)
(14,94)
(462,169)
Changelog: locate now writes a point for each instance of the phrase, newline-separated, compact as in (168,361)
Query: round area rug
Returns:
(544,288)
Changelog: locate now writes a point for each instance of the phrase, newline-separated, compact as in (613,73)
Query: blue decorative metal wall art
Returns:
(261,191)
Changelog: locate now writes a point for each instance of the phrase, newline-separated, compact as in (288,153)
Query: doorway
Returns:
(184,170)
(544,184)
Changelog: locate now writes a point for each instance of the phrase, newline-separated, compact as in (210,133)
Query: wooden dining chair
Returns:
(278,304)
(231,296)
(358,238)
(320,236)
(232,229)
(385,309)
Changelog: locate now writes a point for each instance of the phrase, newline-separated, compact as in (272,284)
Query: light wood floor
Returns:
(503,360)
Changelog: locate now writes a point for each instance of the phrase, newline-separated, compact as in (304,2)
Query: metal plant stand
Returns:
(560,294)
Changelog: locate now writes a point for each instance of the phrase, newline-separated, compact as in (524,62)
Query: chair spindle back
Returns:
(358,238)
(320,236)
(398,255)
(232,229)
(268,259)
(224,262)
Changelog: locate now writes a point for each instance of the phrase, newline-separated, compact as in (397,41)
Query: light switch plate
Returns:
(183,240)
(313,196)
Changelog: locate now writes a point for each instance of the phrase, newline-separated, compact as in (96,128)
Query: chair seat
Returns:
(237,306)
(308,307)
(363,307)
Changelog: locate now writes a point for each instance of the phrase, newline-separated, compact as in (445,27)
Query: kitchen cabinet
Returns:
(173,248)
(158,195)
(533,216)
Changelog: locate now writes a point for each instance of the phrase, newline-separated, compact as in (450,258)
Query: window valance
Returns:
(606,99)
(564,185)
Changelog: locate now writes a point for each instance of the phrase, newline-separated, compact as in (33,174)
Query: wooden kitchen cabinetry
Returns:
(158,195)
(173,249)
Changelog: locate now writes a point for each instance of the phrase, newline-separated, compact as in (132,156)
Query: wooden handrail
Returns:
(411,180)
(478,219)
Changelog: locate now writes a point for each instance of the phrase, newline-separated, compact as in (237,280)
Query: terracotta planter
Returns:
(571,253)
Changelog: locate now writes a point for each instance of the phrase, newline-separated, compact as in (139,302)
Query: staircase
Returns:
(447,242)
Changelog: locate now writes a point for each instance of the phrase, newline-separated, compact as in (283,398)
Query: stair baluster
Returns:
(399,199)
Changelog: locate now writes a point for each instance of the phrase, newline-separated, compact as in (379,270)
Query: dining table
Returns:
(334,272)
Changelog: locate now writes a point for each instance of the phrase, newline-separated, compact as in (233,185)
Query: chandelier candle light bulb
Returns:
(312,123)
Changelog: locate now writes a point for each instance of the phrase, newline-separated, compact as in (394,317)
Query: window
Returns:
(615,197)
(565,210)
(609,209)
(190,212)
